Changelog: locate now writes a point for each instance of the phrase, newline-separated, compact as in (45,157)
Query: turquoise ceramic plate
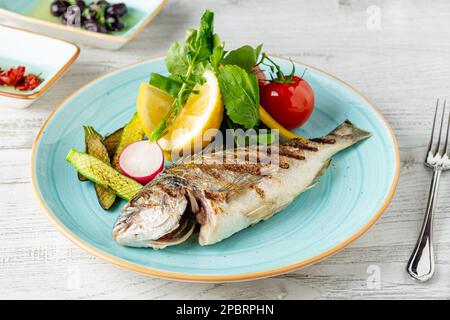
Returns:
(349,199)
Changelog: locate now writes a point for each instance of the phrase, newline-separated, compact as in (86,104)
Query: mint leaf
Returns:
(245,57)
(240,94)
(165,84)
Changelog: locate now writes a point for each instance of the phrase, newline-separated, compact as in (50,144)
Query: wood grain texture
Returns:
(402,67)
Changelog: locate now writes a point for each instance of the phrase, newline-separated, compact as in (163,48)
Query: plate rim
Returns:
(107,37)
(214,278)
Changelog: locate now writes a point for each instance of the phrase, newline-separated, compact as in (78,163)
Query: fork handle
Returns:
(421,263)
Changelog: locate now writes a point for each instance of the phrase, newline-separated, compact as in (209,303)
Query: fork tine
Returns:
(440,132)
(430,145)
(446,135)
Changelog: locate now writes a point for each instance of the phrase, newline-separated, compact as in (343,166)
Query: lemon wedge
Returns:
(196,123)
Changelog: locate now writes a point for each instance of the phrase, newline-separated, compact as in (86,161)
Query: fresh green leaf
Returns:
(166,84)
(187,62)
(189,44)
(176,61)
(205,37)
(245,57)
(218,52)
(240,94)
(258,51)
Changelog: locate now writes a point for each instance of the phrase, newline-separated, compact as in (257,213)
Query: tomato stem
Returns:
(275,68)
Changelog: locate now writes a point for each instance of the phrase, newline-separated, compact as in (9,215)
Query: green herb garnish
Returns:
(187,62)
(240,94)
(202,50)
(166,84)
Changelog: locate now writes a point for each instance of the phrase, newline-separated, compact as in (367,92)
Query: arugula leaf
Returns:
(245,57)
(166,84)
(240,94)
(176,61)
(204,41)
(187,63)
(218,52)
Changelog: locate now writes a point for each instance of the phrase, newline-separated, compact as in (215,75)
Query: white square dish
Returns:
(35,15)
(44,56)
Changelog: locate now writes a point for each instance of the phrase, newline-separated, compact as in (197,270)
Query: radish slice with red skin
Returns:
(142,161)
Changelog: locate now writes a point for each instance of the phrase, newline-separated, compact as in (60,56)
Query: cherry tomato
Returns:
(290,104)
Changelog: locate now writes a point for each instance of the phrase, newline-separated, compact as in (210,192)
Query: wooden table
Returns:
(397,53)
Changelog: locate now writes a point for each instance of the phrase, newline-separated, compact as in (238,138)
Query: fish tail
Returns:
(348,131)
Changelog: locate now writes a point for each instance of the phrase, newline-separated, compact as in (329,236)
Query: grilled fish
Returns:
(224,197)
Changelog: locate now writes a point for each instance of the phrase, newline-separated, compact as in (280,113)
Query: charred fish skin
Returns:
(306,162)
(153,213)
(226,197)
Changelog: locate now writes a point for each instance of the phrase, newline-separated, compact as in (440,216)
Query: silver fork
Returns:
(421,263)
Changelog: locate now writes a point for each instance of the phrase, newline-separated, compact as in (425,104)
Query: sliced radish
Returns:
(142,161)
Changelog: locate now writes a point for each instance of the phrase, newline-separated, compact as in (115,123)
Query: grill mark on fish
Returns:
(169,190)
(282,163)
(216,209)
(249,168)
(325,140)
(246,157)
(291,152)
(226,196)
(300,144)
(214,173)
(172,184)
(218,196)
(253,155)
(258,190)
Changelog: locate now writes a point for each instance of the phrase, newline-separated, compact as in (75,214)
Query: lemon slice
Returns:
(196,123)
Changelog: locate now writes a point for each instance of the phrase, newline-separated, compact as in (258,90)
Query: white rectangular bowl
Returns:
(17,13)
(40,54)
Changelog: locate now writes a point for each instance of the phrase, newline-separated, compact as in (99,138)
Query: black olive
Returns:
(118,9)
(89,14)
(70,18)
(96,5)
(113,23)
(94,26)
(57,8)
(63,18)
(103,2)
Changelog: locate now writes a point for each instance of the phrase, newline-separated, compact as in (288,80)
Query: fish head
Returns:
(154,213)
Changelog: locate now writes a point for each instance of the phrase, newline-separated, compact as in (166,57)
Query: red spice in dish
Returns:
(15,77)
